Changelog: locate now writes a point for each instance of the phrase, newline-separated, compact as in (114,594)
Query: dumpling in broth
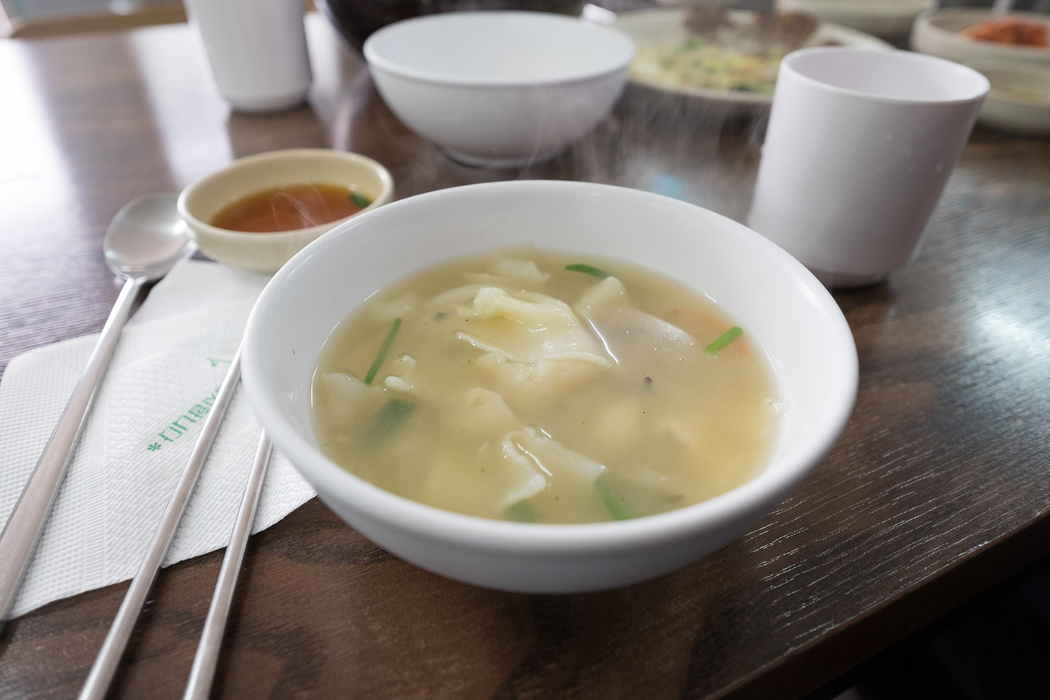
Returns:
(514,387)
(633,337)
(533,344)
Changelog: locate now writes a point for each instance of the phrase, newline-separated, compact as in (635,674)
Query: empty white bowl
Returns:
(499,88)
(783,308)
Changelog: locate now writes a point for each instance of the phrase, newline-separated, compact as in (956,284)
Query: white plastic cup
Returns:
(859,147)
(256,50)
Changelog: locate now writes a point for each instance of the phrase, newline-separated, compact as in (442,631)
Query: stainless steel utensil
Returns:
(108,658)
(207,656)
(146,238)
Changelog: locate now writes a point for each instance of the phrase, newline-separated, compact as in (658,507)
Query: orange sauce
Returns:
(289,208)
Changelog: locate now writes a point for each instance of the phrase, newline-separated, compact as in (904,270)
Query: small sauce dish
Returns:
(365,180)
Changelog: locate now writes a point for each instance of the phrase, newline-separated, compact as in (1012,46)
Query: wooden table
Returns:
(937,490)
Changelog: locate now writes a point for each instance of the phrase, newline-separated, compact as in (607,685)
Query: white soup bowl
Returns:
(784,309)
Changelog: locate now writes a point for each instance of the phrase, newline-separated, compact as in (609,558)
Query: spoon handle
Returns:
(206,659)
(105,666)
(26,524)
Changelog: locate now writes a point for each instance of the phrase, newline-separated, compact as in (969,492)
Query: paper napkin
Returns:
(171,359)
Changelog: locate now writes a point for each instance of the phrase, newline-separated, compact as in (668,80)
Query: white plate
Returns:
(1019,100)
(889,19)
(666,26)
(938,33)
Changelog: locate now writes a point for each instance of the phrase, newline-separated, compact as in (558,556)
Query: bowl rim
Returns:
(883,9)
(248,162)
(566,540)
(376,60)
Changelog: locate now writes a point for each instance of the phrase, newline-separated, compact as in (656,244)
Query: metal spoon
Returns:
(146,238)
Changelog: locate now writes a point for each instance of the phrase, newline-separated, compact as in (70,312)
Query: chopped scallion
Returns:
(613,503)
(587,270)
(523,512)
(393,414)
(723,340)
(359,199)
(383,350)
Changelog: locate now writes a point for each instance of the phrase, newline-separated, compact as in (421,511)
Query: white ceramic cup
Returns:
(859,147)
(256,50)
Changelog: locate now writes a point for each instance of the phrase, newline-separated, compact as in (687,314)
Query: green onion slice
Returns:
(613,503)
(383,350)
(393,414)
(723,340)
(523,512)
(587,270)
(359,199)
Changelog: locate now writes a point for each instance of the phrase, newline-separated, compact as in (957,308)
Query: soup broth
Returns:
(534,386)
(290,208)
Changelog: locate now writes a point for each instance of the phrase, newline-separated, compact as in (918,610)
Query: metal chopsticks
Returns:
(23,529)
(108,659)
(204,663)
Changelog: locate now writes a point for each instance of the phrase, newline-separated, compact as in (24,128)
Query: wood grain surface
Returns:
(937,490)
